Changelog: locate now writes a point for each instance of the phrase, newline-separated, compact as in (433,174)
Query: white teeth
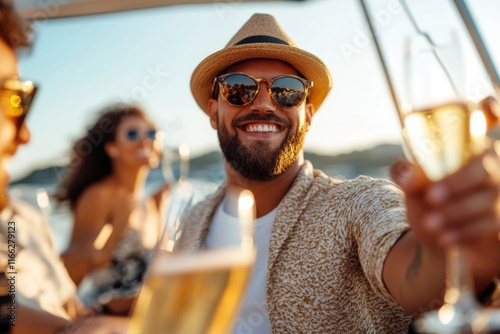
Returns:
(262,128)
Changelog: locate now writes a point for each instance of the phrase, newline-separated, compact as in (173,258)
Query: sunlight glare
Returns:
(446,314)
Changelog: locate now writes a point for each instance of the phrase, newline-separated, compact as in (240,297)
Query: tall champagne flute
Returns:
(175,153)
(196,292)
(442,131)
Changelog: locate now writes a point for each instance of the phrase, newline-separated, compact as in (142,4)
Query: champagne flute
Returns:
(175,153)
(196,291)
(442,131)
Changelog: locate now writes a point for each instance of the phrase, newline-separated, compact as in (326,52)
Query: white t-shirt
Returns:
(253,317)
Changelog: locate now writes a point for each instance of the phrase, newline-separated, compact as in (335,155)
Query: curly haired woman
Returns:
(115,225)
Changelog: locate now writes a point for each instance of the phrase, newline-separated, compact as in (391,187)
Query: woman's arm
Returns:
(90,215)
(98,207)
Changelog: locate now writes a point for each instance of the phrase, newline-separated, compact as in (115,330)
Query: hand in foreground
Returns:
(463,208)
(98,325)
(491,109)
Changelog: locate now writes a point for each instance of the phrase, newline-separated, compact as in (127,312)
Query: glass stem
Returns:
(459,281)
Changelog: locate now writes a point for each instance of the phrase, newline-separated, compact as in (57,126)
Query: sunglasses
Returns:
(239,89)
(16,97)
(133,135)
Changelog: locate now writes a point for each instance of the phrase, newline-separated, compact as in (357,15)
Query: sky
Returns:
(146,57)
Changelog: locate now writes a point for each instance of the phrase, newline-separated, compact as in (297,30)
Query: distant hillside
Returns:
(45,176)
(209,166)
(373,162)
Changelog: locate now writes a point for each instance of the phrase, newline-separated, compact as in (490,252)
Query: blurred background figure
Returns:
(44,299)
(115,224)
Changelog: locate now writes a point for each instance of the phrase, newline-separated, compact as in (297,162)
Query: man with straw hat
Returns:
(333,256)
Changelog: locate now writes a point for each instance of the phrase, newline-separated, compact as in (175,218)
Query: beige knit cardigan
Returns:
(328,245)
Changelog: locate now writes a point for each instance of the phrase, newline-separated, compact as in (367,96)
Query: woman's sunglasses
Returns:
(239,89)
(16,97)
(133,135)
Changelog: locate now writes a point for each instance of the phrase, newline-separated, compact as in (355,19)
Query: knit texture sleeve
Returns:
(378,221)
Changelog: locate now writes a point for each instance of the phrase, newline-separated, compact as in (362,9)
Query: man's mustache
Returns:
(258,117)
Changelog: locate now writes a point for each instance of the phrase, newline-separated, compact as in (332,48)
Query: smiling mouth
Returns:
(144,153)
(261,127)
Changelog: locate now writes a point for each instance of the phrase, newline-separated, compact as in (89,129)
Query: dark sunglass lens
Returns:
(132,135)
(20,121)
(27,100)
(238,89)
(151,134)
(288,92)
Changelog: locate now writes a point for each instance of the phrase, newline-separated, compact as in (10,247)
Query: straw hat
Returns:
(261,37)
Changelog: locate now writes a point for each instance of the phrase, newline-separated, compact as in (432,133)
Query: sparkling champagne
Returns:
(190,294)
(442,138)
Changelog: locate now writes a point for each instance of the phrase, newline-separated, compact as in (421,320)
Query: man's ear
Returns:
(309,108)
(212,112)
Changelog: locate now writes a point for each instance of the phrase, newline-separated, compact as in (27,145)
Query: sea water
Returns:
(39,195)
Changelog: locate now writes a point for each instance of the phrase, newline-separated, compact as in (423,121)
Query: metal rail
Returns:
(383,63)
(478,42)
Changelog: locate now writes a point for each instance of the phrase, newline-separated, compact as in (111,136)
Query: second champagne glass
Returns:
(175,156)
(442,131)
(196,292)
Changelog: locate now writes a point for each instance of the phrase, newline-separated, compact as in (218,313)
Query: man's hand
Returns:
(97,325)
(491,109)
(463,208)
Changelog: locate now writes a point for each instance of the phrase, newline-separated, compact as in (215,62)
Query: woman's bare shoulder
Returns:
(100,194)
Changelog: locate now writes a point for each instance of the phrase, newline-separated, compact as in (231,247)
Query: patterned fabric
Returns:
(328,245)
(42,281)
(122,278)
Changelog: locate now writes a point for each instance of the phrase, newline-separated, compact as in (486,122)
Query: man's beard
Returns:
(257,162)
